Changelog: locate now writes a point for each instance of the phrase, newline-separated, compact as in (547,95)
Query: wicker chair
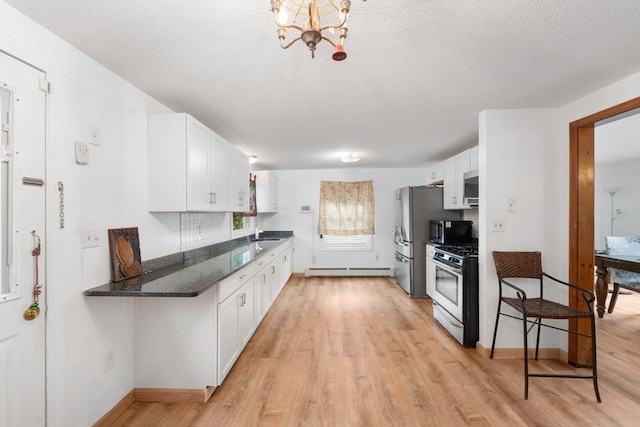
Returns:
(528,265)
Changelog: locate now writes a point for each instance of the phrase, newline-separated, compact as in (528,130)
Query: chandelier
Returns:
(312,18)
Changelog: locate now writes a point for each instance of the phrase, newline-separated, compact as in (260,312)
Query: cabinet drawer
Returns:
(235,281)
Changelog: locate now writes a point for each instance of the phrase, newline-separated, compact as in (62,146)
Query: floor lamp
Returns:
(612,192)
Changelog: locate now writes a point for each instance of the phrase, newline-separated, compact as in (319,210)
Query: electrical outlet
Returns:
(108,360)
(498,225)
(90,238)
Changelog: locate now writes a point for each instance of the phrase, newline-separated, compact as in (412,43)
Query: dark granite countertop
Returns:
(189,274)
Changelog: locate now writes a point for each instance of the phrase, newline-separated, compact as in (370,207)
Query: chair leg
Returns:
(495,329)
(614,297)
(593,356)
(539,321)
(526,357)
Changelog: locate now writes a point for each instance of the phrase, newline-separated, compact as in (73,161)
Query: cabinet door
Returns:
(274,193)
(274,271)
(474,158)
(463,163)
(228,333)
(217,174)
(454,170)
(267,189)
(286,267)
(243,182)
(435,174)
(232,180)
(247,312)
(449,191)
(265,289)
(198,148)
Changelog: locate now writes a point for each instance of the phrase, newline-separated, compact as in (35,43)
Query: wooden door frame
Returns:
(581,218)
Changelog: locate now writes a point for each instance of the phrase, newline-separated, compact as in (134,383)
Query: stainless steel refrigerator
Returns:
(415,206)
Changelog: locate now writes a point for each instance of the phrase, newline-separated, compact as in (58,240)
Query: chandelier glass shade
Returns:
(312,21)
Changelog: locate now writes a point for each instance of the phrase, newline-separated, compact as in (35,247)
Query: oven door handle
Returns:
(447,267)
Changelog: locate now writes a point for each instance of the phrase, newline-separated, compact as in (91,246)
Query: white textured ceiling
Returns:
(417,75)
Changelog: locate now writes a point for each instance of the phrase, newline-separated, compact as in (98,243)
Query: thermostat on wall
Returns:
(305,209)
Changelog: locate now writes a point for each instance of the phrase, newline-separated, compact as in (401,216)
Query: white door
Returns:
(22,342)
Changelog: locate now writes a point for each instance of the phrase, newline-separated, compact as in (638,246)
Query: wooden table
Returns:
(603,264)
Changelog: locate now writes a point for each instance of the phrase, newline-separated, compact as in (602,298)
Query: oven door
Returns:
(448,289)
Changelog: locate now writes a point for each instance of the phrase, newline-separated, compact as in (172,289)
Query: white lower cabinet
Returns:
(176,342)
(286,265)
(236,323)
(192,343)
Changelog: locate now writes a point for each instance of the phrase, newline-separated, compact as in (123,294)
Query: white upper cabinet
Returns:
(435,174)
(267,191)
(474,158)
(454,169)
(238,191)
(185,164)
(218,174)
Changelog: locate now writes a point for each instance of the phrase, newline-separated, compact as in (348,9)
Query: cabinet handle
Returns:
(273,269)
(242,277)
(454,200)
(240,201)
(212,198)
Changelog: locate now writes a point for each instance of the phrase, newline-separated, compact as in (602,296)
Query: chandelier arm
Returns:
(329,40)
(296,27)
(335,26)
(282,45)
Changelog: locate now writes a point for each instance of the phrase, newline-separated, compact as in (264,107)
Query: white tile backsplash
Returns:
(203,229)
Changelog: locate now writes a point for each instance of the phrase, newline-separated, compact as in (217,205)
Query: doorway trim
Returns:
(581,217)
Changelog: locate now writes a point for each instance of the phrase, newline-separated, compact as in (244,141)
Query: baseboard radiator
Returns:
(348,271)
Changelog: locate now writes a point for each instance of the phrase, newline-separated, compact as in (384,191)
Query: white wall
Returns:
(302,187)
(524,154)
(109,192)
(625,177)
(512,166)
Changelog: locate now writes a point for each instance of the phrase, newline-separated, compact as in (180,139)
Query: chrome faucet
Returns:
(258,231)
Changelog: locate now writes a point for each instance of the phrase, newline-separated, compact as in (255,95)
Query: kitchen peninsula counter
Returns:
(191,273)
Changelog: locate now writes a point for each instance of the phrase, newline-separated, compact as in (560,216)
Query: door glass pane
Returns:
(447,285)
(5,98)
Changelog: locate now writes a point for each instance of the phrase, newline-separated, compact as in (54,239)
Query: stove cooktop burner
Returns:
(459,250)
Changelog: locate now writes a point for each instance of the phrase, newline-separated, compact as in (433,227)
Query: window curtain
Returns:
(346,208)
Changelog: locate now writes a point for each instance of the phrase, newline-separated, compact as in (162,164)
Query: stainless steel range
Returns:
(455,298)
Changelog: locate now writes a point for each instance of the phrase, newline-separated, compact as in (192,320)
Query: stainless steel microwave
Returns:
(470,195)
(450,232)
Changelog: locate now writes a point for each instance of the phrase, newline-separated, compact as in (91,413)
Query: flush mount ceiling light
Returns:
(350,158)
(253,160)
(311,18)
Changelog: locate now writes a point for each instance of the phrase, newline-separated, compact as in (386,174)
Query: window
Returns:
(346,208)
(346,243)
(5,202)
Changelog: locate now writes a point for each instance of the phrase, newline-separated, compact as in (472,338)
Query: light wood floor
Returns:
(359,352)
